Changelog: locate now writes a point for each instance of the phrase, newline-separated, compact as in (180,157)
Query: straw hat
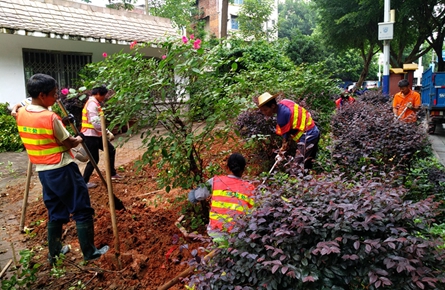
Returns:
(264,98)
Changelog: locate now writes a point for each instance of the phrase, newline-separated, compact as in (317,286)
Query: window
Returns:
(239,2)
(234,22)
(63,66)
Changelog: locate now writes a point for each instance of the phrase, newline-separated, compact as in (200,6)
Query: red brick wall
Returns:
(210,10)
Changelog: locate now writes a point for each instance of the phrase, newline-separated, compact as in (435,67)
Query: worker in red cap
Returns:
(294,123)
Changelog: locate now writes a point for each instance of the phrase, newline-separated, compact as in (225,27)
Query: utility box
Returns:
(433,98)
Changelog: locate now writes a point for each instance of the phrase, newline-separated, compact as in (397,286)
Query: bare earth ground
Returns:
(150,243)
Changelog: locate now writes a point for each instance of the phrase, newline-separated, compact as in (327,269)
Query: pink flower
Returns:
(104,54)
(197,44)
(184,39)
(133,44)
(164,56)
(65,91)
(192,36)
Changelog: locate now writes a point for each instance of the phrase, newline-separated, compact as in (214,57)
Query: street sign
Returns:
(386,30)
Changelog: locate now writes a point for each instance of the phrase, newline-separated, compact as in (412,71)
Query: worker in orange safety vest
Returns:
(231,196)
(294,123)
(48,145)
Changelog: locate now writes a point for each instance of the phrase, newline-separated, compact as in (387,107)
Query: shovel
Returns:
(404,110)
(118,203)
(278,159)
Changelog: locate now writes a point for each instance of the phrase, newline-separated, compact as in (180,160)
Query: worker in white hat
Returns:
(293,123)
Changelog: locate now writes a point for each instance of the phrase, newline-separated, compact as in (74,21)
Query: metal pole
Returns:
(386,50)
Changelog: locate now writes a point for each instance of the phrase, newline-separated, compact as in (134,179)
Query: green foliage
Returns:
(9,134)
(252,18)
(58,270)
(330,233)
(424,178)
(4,111)
(169,97)
(26,275)
(296,16)
(179,12)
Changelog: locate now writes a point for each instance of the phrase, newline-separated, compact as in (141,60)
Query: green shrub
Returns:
(328,233)
(9,135)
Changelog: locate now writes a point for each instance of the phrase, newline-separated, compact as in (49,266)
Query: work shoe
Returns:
(91,185)
(116,177)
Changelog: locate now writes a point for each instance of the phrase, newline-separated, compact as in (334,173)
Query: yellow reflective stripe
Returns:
(238,195)
(297,136)
(87,125)
(227,205)
(219,217)
(46,151)
(303,120)
(37,141)
(31,130)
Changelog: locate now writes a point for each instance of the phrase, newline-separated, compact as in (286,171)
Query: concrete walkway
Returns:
(438,143)
(13,168)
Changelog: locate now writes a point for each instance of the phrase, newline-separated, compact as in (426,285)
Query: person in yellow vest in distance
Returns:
(230,196)
(294,124)
(92,131)
(48,145)
(406,103)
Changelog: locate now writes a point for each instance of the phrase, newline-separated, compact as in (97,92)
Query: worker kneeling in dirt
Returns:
(230,196)
(48,145)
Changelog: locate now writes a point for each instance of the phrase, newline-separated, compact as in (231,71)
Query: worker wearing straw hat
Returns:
(294,123)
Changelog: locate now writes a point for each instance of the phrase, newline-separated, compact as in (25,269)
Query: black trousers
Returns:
(95,144)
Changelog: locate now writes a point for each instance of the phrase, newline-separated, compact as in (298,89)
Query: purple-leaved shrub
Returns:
(365,133)
(326,232)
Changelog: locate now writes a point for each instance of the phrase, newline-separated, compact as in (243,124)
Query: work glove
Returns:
(409,105)
(68,119)
(110,136)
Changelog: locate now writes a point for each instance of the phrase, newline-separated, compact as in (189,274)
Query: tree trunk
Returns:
(366,63)
(224,18)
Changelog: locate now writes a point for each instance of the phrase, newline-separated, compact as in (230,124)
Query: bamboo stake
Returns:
(25,196)
(185,273)
(110,189)
(5,268)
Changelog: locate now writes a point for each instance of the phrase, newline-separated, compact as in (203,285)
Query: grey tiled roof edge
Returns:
(74,20)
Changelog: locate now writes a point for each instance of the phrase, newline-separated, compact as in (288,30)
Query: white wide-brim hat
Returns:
(264,98)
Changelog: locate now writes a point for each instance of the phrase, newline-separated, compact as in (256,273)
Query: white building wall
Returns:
(12,76)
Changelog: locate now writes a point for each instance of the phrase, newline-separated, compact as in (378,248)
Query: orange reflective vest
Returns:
(339,102)
(37,134)
(86,124)
(300,120)
(230,197)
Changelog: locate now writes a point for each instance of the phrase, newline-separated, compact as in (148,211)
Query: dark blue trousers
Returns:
(65,194)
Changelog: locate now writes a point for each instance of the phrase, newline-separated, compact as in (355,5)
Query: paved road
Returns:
(438,143)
